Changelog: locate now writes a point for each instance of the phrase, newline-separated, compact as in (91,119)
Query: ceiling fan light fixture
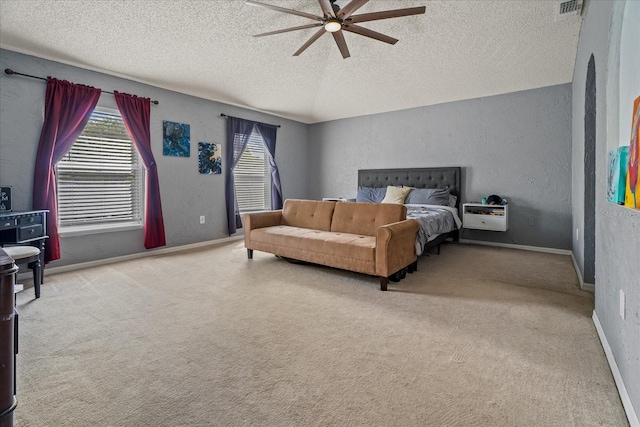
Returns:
(337,21)
(333,25)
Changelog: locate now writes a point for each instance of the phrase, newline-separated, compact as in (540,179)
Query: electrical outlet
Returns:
(531,221)
(201,219)
(622,304)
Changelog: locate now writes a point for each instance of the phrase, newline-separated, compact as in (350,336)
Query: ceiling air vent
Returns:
(567,8)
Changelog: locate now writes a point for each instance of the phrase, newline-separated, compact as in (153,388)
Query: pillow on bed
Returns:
(428,196)
(371,194)
(452,200)
(396,194)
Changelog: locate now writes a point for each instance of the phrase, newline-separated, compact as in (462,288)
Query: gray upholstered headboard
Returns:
(417,177)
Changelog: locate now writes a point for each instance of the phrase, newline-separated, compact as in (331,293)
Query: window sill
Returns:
(84,230)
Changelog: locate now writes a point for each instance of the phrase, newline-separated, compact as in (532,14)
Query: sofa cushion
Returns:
(343,245)
(351,246)
(365,218)
(308,214)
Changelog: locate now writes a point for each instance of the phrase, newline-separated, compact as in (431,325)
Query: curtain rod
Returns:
(10,72)
(224,115)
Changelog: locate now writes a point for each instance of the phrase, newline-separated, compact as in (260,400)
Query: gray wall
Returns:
(186,194)
(524,146)
(617,228)
(516,145)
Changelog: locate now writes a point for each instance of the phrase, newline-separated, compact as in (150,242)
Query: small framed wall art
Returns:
(209,158)
(176,139)
(632,195)
(5,199)
(617,175)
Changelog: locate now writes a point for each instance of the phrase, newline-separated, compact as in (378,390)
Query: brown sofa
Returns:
(368,238)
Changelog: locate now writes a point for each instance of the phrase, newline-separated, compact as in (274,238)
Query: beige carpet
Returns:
(479,336)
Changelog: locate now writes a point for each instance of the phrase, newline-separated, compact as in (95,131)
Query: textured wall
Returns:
(186,194)
(516,145)
(617,227)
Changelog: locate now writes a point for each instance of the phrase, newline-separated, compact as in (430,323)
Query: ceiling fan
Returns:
(335,20)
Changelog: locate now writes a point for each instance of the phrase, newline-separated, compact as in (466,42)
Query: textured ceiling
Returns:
(457,50)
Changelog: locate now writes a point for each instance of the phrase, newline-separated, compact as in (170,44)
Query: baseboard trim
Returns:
(523,247)
(622,390)
(589,287)
(153,252)
(575,266)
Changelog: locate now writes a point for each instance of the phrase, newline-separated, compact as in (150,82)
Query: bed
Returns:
(437,223)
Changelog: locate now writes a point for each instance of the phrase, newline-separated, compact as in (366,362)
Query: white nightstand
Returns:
(485,217)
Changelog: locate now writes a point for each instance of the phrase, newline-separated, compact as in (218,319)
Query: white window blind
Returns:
(252,176)
(100,178)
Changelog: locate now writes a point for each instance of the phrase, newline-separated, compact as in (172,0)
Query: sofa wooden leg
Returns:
(383,283)
(250,253)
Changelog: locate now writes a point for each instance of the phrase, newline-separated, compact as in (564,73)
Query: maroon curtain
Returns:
(136,114)
(67,110)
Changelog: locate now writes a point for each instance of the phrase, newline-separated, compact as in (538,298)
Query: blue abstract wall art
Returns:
(617,175)
(209,158)
(176,139)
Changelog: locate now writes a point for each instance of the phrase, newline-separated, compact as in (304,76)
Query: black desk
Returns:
(25,228)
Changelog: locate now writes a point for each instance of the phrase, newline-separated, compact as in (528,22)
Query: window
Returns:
(252,176)
(100,179)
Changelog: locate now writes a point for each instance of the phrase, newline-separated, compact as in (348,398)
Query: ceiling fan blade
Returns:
(286,30)
(282,9)
(369,33)
(326,8)
(342,44)
(346,11)
(396,13)
(313,38)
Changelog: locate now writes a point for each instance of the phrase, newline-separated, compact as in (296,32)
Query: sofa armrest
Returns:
(395,246)
(251,221)
(261,219)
